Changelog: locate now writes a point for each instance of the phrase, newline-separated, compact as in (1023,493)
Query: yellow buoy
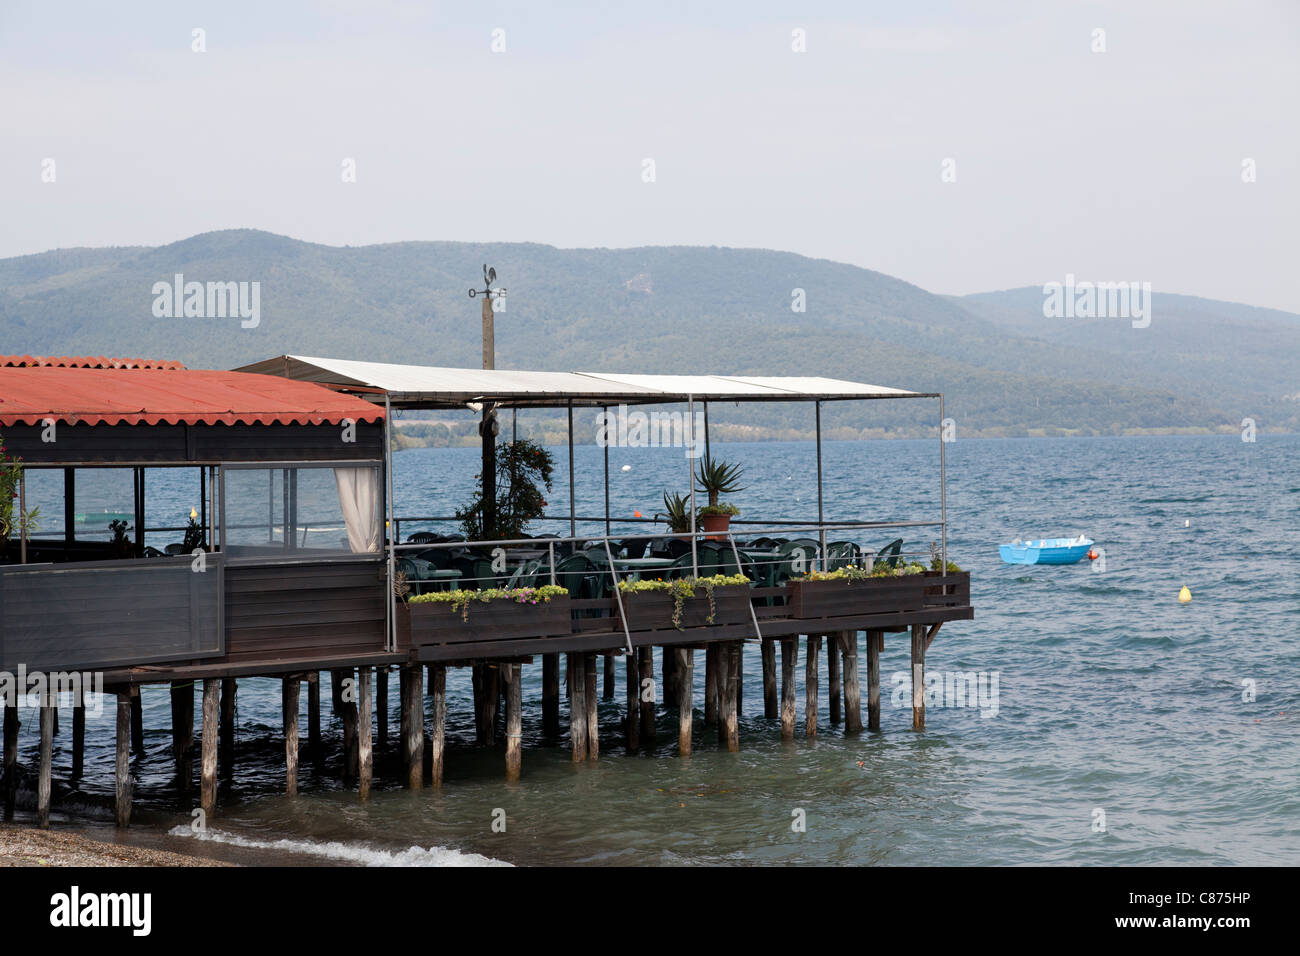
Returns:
(1184,596)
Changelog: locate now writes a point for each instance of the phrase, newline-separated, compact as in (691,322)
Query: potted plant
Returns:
(487,614)
(717,478)
(685,602)
(676,513)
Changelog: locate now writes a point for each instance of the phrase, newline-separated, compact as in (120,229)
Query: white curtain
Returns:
(359,500)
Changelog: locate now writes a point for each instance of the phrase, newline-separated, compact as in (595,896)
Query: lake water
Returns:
(1175,725)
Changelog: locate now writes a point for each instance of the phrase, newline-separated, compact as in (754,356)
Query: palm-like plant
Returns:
(716,478)
(677,512)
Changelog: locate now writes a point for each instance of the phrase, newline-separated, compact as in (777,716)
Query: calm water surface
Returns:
(1112,697)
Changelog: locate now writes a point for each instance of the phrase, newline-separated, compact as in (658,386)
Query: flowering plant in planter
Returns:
(460,600)
(682,589)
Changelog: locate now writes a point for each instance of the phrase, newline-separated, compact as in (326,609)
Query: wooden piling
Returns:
(11,759)
(365,752)
(78,734)
(137,724)
(852,690)
(729,690)
(551,695)
(412,692)
(122,763)
(648,696)
(578,706)
(512,675)
(313,716)
(810,685)
(789,660)
(711,684)
(632,722)
(381,703)
(439,733)
(918,676)
(226,729)
(875,644)
(289,718)
(345,708)
(834,689)
(593,716)
(740,678)
(668,687)
(208,750)
(609,677)
(43,780)
(685,680)
(182,697)
(771,708)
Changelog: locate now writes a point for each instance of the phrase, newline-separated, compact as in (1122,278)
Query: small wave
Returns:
(346,852)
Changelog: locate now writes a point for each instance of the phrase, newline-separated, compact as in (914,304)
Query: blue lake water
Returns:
(1116,704)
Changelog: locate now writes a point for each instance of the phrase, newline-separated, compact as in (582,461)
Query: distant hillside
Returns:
(1004,369)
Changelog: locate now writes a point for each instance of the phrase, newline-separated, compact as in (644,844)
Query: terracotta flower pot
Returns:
(716,526)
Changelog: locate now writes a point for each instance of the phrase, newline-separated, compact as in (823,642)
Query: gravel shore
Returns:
(24,846)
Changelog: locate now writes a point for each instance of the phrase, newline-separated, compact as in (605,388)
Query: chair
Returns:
(842,554)
(424,537)
(890,553)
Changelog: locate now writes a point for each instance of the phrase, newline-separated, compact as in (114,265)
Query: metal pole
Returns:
(22,525)
(707,453)
(390,606)
(605,415)
(573,520)
(943,488)
(690,476)
(821,518)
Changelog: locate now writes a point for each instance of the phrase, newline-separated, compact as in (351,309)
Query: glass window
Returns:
(288,510)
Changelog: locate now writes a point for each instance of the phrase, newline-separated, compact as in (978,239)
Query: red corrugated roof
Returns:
(172,397)
(83,361)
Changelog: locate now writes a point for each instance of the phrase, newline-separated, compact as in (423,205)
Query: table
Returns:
(633,567)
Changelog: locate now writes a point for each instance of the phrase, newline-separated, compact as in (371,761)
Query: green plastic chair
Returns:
(890,553)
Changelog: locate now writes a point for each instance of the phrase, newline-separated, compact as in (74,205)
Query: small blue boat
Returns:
(1046,551)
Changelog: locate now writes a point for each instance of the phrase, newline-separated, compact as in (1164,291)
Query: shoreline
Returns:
(22,845)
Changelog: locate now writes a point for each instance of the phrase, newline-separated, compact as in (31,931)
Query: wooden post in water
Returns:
(208,749)
(122,764)
(875,644)
(551,695)
(365,753)
(728,687)
(344,684)
(11,758)
(632,723)
(810,685)
(918,677)
(512,674)
(413,724)
(685,680)
(490,697)
(78,733)
(578,706)
(710,684)
(226,730)
(771,709)
(313,716)
(43,781)
(381,703)
(668,687)
(852,691)
(137,724)
(439,692)
(740,678)
(833,680)
(646,655)
(789,660)
(289,718)
(593,717)
(183,732)
(609,677)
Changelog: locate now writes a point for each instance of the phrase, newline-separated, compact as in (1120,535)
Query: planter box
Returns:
(814,600)
(653,610)
(421,624)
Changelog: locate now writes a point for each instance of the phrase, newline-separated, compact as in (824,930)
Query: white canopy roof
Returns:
(419,386)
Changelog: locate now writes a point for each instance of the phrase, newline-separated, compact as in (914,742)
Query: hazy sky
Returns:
(1119,165)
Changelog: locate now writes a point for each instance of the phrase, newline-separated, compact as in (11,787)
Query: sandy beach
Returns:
(24,846)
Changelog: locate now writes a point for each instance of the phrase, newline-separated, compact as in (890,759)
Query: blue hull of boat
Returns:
(1048,551)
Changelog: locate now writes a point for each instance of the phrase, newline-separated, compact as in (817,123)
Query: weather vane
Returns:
(489,276)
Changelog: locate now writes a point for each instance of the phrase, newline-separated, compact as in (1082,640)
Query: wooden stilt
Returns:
(137,724)
(344,683)
(578,706)
(771,708)
(365,753)
(512,675)
(381,704)
(183,732)
(648,696)
(918,676)
(78,734)
(810,685)
(833,680)
(852,692)
(875,644)
(413,725)
(122,764)
(789,660)
(476,683)
(11,759)
(685,680)
(740,678)
(593,718)
(439,692)
(551,695)
(208,750)
(632,722)
(313,716)
(729,690)
(43,780)
(609,677)
(668,686)
(289,717)
(489,695)
(711,684)
(226,730)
